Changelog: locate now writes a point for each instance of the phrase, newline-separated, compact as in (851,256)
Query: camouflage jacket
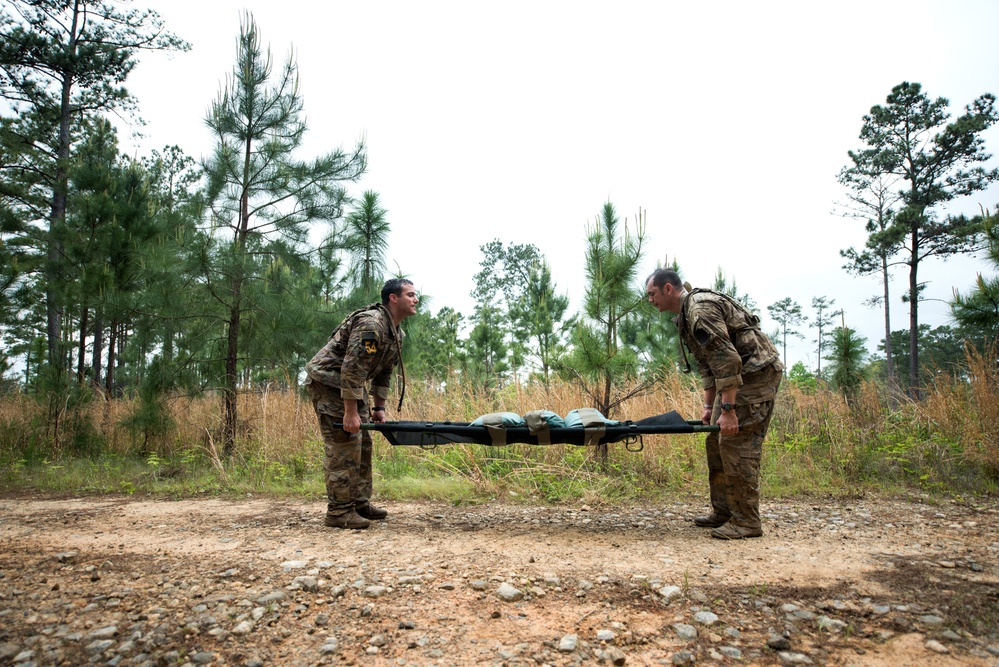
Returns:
(724,338)
(366,346)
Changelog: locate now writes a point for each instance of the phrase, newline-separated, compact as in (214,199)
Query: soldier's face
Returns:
(408,300)
(657,295)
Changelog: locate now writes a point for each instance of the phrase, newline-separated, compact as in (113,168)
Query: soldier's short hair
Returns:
(393,286)
(660,277)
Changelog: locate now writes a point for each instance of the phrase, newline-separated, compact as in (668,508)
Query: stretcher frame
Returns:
(428,435)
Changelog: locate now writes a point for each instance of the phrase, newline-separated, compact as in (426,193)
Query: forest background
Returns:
(140,287)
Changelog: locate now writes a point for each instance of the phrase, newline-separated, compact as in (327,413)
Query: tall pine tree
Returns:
(936,160)
(262,197)
(63,60)
(599,360)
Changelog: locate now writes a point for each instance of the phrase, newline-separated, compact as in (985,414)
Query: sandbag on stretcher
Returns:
(588,427)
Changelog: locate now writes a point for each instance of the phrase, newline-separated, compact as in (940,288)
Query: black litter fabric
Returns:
(429,434)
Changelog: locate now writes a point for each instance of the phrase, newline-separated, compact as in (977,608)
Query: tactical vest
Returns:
(749,321)
(349,323)
(353,316)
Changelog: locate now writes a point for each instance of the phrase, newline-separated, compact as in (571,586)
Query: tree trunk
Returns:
(112,346)
(235,310)
(889,363)
(168,334)
(818,370)
(98,353)
(67,346)
(81,364)
(602,451)
(232,342)
(120,356)
(914,321)
(229,388)
(57,216)
(53,278)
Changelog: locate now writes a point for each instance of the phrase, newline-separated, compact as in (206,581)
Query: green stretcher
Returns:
(431,434)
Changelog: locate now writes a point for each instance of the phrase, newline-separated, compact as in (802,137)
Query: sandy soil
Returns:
(126,581)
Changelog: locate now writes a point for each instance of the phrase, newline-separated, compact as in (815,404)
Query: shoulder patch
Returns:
(370,342)
(701,336)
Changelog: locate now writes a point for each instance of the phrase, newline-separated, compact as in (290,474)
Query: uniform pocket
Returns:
(756,416)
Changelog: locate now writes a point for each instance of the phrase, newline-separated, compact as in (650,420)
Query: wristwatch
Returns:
(728,406)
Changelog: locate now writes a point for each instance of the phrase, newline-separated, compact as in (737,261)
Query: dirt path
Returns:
(261,582)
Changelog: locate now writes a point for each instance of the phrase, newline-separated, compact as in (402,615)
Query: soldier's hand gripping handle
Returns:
(351,418)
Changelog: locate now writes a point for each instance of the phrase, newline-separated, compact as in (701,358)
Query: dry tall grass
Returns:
(966,414)
(819,441)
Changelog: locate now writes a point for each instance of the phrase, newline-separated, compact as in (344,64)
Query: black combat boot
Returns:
(369,511)
(712,520)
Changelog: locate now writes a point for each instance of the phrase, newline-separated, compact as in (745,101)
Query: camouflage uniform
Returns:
(366,346)
(731,351)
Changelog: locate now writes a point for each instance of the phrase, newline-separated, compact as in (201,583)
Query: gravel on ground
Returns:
(256,582)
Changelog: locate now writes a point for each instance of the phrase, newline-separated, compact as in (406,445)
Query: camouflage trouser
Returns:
(347,463)
(734,461)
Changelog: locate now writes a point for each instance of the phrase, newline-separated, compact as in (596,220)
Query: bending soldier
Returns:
(364,348)
(740,370)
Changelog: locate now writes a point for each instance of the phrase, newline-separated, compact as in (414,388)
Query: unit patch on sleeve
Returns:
(370,342)
(701,336)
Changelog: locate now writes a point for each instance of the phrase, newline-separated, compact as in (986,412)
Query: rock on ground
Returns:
(121,581)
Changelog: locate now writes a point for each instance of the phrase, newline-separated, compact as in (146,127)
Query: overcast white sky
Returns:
(726,122)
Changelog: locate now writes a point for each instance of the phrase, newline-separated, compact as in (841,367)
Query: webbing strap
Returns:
(494,427)
(538,426)
(594,426)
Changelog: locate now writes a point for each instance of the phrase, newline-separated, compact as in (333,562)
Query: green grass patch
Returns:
(453,490)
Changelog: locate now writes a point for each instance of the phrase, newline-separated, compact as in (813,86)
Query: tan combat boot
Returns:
(349,520)
(733,531)
(743,502)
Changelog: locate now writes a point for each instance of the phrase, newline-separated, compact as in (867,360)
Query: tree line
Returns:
(159,274)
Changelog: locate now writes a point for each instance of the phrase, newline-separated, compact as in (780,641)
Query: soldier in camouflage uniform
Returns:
(740,370)
(365,347)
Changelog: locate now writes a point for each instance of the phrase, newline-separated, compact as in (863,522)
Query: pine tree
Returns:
(260,195)
(537,315)
(847,356)
(485,351)
(979,309)
(599,360)
(874,199)
(936,161)
(652,336)
(60,60)
(787,314)
(111,225)
(366,241)
(823,320)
